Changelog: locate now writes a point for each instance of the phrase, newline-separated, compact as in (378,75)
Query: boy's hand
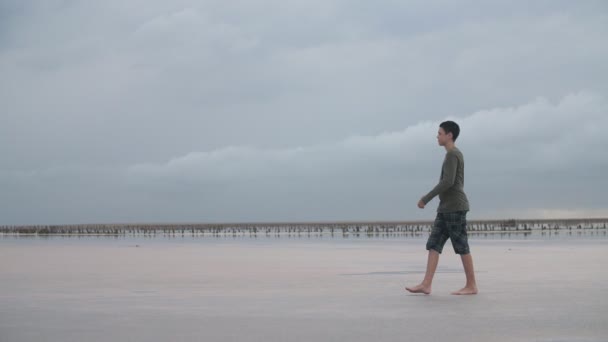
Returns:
(421,204)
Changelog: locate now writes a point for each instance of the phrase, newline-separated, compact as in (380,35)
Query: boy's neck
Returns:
(450,146)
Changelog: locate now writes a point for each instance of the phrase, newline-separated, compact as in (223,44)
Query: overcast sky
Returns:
(312,110)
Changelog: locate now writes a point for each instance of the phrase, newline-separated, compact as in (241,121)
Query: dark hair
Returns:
(451,127)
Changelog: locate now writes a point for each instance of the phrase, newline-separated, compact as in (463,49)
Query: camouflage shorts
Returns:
(453,226)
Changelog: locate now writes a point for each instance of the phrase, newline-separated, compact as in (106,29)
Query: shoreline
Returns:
(160,233)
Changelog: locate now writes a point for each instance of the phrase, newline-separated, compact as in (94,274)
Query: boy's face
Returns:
(442,138)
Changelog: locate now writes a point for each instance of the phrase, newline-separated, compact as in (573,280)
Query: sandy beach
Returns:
(299,289)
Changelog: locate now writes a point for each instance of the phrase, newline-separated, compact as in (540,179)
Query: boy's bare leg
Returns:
(471,286)
(431,266)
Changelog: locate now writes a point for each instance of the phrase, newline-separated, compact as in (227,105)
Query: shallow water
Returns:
(318,288)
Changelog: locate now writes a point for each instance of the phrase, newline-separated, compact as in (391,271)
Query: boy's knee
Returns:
(435,248)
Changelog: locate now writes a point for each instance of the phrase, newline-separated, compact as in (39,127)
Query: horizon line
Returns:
(329,222)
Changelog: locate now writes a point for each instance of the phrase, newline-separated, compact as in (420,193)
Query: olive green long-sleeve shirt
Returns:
(451,184)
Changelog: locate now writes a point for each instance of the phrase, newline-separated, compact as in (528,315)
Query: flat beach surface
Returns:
(299,289)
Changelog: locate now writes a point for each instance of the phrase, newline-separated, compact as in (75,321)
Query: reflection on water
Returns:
(314,237)
(297,287)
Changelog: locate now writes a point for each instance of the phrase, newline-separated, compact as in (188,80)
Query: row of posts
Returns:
(298,228)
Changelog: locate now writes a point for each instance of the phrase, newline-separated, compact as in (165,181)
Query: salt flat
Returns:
(299,289)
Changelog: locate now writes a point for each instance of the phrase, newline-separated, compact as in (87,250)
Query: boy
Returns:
(451,214)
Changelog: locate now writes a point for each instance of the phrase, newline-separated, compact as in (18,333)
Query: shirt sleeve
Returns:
(450,164)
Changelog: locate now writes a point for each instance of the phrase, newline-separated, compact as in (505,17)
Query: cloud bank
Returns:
(122,111)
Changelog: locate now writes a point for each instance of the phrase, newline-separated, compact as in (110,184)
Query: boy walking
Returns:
(451,219)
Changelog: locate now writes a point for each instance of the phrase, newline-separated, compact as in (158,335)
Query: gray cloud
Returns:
(194,111)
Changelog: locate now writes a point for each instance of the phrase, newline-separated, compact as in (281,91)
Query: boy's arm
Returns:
(449,176)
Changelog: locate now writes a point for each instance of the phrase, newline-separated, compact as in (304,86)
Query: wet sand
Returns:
(299,290)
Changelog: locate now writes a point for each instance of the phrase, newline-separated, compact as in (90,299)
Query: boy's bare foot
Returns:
(466,291)
(420,289)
